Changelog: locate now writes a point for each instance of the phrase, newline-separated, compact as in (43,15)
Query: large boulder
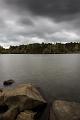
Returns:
(18,99)
(64,110)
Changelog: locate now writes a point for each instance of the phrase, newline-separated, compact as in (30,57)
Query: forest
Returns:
(43,48)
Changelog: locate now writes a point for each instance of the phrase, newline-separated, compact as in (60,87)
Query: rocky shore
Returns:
(25,102)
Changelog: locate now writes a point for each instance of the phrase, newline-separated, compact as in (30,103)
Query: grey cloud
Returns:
(65,9)
(26,21)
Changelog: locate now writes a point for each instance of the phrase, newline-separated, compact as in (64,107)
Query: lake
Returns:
(57,75)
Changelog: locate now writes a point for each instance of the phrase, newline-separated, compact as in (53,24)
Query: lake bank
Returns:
(26,101)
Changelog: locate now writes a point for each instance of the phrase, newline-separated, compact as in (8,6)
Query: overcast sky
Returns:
(37,21)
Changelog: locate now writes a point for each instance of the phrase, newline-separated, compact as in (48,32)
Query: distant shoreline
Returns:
(43,48)
(38,53)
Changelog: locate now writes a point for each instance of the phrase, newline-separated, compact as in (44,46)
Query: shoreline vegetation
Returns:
(43,48)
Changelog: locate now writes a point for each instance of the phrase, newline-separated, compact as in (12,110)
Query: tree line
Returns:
(43,48)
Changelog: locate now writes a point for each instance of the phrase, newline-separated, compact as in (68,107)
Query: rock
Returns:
(24,96)
(63,110)
(1,90)
(8,82)
(1,97)
(11,113)
(8,114)
(26,115)
(18,99)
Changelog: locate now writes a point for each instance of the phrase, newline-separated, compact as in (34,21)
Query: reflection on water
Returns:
(57,75)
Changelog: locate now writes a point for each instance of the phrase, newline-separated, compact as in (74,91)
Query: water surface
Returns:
(58,75)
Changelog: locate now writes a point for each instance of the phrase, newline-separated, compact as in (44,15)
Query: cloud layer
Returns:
(30,21)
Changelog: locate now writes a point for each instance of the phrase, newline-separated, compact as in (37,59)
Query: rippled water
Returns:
(57,75)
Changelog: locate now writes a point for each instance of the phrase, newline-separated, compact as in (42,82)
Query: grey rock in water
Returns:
(8,82)
(64,110)
(18,99)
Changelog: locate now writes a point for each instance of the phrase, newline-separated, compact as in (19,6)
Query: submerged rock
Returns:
(18,99)
(8,82)
(64,110)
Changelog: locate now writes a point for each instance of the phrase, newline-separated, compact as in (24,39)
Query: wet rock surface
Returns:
(64,110)
(16,103)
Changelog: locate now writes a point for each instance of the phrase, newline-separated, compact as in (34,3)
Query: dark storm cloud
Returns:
(53,8)
(28,21)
